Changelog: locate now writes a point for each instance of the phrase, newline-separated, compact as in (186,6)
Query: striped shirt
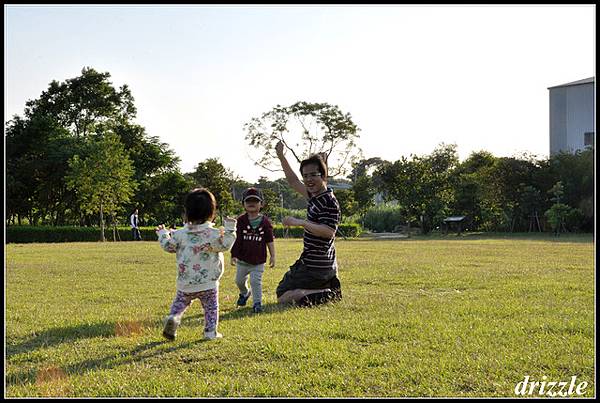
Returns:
(319,253)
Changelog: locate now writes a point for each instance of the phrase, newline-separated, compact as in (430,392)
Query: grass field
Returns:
(419,317)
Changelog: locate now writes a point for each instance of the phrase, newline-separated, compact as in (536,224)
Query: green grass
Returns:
(454,316)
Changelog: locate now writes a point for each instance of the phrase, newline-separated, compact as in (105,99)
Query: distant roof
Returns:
(455,218)
(584,81)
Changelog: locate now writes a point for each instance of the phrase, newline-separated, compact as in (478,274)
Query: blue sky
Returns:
(411,76)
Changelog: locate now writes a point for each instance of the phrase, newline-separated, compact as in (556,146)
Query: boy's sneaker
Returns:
(257,308)
(212,335)
(243,298)
(170,330)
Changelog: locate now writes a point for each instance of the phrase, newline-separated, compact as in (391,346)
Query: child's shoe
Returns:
(170,330)
(242,299)
(212,335)
(257,308)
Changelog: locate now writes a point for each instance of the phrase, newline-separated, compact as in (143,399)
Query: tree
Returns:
(270,202)
(469,197)
(576,173)
(531,202)
(55,127)
(505,181)
(148,155)
(212,175)
(102,177)
(363,187)
(422,186)
(80,103)
(160,198)
(37,154)
(348,205)
(305,129)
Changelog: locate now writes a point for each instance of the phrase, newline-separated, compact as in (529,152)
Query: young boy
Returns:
(249,252)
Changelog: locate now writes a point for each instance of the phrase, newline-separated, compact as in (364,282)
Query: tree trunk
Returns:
(114,225)
(102,224)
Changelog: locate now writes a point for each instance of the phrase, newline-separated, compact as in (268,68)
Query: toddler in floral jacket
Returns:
(198,247)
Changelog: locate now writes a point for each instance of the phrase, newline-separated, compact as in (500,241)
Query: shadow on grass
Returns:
(58,335)
(139,353)
(69,334)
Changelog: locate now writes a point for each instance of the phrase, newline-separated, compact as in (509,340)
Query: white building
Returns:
(572,119)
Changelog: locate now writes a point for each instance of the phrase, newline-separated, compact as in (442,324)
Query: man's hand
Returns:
(159,228)
(291,221)
(272,261)
(233,261)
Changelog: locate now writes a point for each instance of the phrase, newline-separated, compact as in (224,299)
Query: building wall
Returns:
(558,119)
(571,115)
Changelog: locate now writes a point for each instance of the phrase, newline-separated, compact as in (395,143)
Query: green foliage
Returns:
(497,193)
(278,213)
(37,155)
(305,129)
(422,186)
(364,184)
(350,230)
(557,216)
(212,175)
(575,171)
(470,197)
(80,103)
(564,218)
(161,198)
(52,234)
(56,127)
(384,218)
(102,178)
(348,205)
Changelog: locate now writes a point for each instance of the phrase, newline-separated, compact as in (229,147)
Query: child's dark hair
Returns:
(200,205)
(317,160)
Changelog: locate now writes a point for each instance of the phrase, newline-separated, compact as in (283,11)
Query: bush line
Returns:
(49,234)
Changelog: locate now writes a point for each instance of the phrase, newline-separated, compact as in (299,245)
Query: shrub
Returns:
(347,230)
(563,217)
(277,213)
(49,234)
(383,218)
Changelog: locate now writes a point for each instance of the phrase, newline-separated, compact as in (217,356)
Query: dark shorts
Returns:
(299,276)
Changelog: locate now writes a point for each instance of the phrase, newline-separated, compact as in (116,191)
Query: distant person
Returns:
(199,246)
(249,252)
(135,230)
(312,279)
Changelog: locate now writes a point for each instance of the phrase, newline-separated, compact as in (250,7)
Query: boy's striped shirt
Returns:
(319,253)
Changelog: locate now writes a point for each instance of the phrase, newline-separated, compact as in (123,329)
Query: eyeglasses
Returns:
(311,175)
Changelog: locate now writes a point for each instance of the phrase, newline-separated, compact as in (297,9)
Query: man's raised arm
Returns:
(291,177)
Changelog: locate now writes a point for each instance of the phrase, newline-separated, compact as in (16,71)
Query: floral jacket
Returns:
(199,253)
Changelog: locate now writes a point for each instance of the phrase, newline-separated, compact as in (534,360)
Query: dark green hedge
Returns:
(46,234)
(347,230)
